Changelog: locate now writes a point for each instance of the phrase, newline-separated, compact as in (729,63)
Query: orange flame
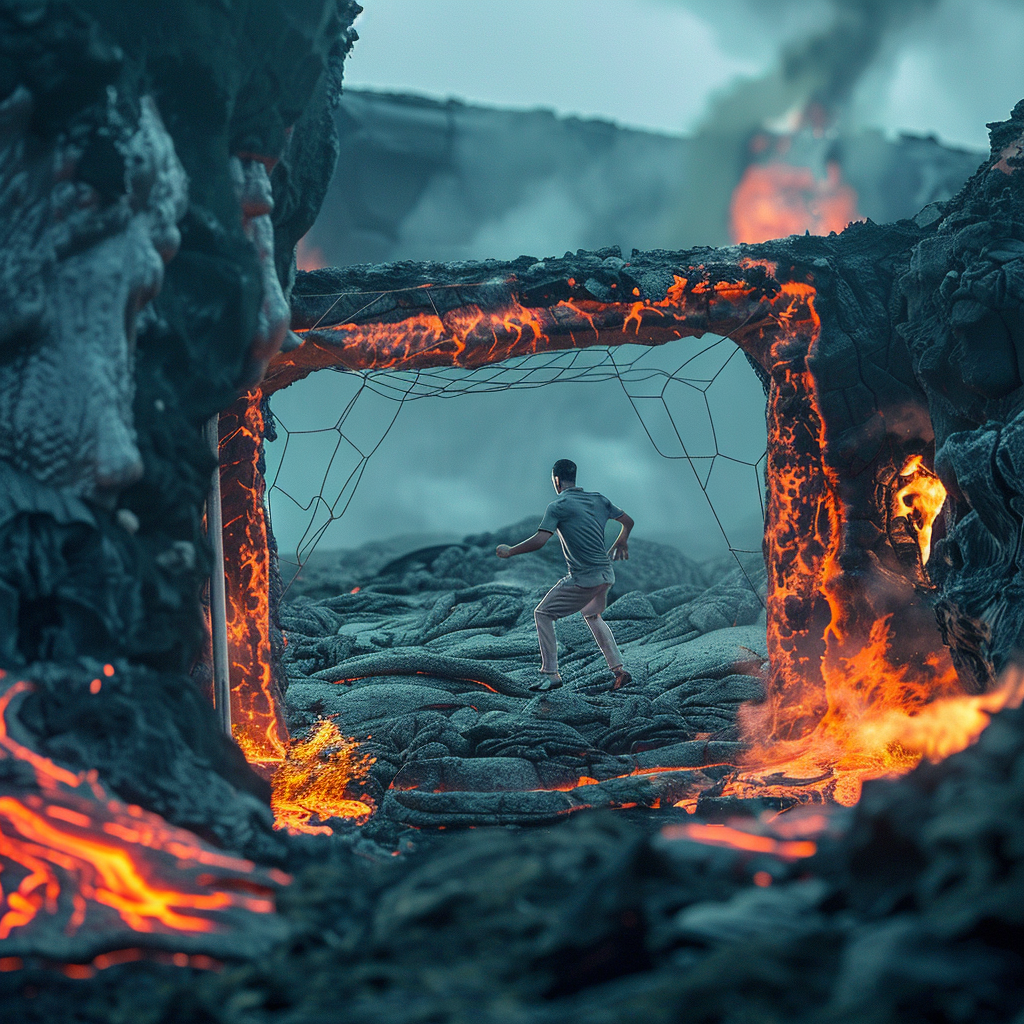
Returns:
(776,199)
(313,779)
(920,500)
(76,854)
(842,705)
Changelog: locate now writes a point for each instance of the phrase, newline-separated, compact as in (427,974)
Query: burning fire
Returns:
(920,500)
(75,857)
(776,199)
(844,704)
(312,780)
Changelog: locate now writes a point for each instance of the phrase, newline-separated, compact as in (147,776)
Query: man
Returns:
(579,518)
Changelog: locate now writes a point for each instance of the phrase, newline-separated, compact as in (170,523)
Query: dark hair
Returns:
(565,471)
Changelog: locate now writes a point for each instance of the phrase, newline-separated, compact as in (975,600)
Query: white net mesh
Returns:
(678,393)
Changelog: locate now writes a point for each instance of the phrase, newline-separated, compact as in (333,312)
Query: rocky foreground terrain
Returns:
(472,896)
(426,660)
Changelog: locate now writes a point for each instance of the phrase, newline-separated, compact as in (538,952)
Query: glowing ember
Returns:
(256,721)
(738,839)
(920,500)
(313,779)
(775,200)
(76,858)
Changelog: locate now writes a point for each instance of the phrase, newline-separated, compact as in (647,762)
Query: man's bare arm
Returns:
(620,549)
(534,543)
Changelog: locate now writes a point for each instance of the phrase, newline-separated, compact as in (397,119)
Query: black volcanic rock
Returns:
(428,663)
(118,581)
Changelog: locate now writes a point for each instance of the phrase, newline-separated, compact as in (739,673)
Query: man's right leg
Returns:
(561,600)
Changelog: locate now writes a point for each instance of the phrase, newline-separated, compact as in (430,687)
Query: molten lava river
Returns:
(86,879)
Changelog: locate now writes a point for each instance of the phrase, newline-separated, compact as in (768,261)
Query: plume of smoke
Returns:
(820,69)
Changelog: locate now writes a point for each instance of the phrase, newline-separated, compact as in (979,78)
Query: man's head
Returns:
(563,474)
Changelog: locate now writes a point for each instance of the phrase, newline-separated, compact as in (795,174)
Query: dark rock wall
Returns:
(963,321)
(112,572)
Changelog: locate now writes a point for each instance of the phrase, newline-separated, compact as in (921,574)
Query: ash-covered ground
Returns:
(473,896)
(426,659)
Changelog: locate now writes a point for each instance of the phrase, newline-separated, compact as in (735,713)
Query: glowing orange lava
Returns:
(309,778)
(776,199)
(739,839)
(469,336)
(312,780)
(72,854)
(256,721)
(920,500)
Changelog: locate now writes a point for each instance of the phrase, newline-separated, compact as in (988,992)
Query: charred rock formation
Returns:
(131,135)
(862,368)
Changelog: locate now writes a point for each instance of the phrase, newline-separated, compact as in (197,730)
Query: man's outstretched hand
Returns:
(619,551)
(503,551)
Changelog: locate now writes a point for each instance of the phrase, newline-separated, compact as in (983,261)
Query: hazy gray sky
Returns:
(654,63)
(475,463)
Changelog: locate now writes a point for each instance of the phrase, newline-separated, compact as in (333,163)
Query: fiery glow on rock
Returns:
(738,839)
(309,778)
(880,722)
(774,200)
(920,500)
(256,721)
(844,702)
(470,336)
(73,857)
(841,708)
(312,781)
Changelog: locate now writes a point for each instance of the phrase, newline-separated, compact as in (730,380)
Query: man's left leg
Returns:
(603,635)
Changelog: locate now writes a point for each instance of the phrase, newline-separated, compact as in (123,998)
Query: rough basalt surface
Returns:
(428,666)
(131,135)
(908,914)
(104,389)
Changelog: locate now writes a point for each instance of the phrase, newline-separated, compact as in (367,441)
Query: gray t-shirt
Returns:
(579,517)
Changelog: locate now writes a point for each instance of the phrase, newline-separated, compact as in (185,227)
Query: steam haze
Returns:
(472,463)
